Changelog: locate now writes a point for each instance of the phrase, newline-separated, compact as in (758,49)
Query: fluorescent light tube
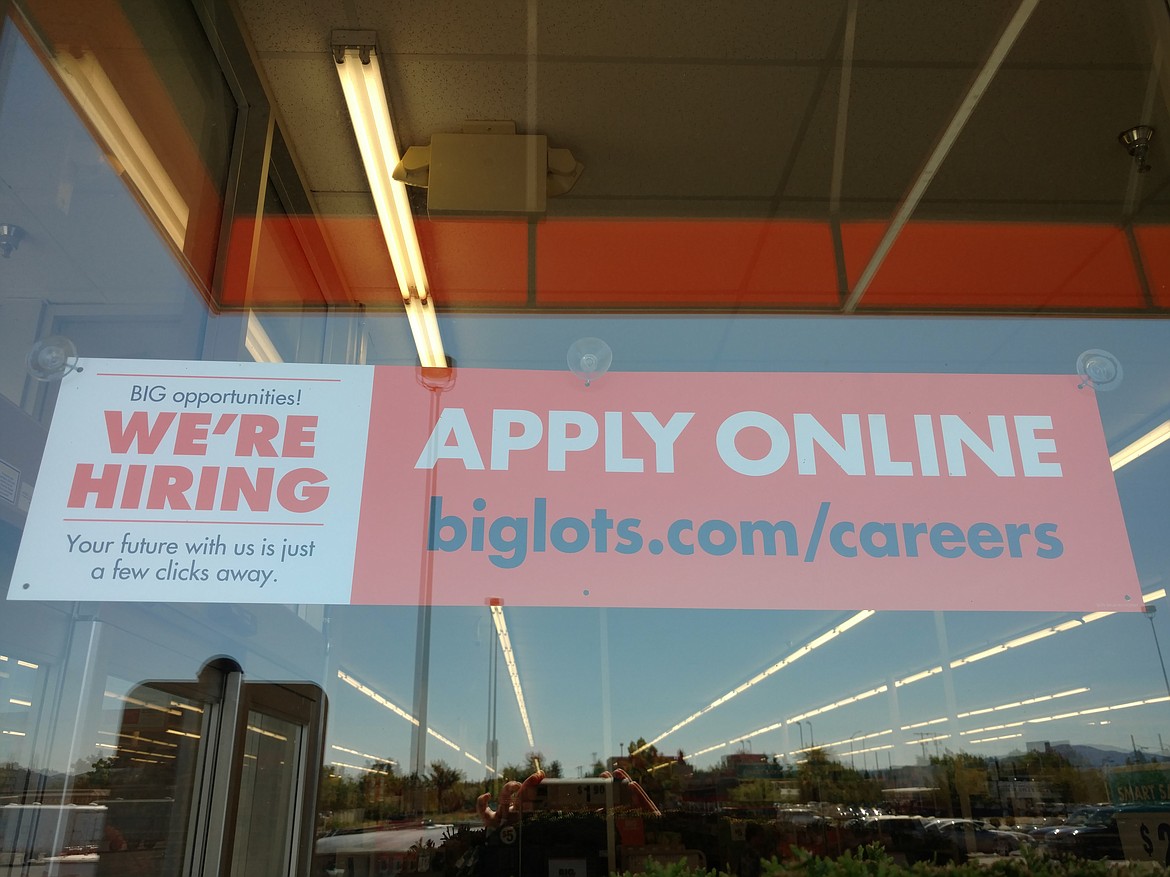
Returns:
(425,328)
(258,343)
(1146,443)
(103,108)
(510,659)
(369,109)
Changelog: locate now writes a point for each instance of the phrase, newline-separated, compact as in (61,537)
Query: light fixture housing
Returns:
(355,54)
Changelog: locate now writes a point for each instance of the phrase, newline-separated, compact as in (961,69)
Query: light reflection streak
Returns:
(1073,624)
(399,711)
(812,645)
(384,773)
(994,739)
(510,660)
(374,758)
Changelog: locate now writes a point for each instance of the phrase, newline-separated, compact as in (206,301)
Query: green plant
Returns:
(873,861)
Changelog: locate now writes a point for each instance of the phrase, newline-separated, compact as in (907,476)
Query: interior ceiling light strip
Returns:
(142,703)
(1091,711)
(859,737)
(1014,705)
(995,739)
(1145,444)
(384,773)
(992,709)
(399,711)
(941,149)
(845,701)
(928,740)
(510,660)
(828,636)
(1046,632)
(263,733)
(258,342)
(132,154)
(1158,594)
(369,110)
(377,759)
(1031,700)
(138,738)
(927,723)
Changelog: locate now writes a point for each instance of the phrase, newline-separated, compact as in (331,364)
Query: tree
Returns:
(444,778)
(822,779)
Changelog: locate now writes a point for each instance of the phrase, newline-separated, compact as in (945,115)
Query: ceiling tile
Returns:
(952,33)
(294,25)
(1048,136)
(430,27)
(309,96)
(687,130)
(750,30)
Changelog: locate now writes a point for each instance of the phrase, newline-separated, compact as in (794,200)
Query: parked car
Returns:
(800,816)
(974,836)
(906,837)
(1095,836)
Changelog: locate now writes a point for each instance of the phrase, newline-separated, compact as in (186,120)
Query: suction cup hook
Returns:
(1100,370)
(52,358)
(589,358)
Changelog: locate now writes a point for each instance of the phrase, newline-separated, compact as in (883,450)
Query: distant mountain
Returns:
(1083,755)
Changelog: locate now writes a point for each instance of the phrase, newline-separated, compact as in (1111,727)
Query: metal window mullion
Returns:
(213,828)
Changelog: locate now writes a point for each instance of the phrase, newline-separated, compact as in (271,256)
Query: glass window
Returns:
(772,410)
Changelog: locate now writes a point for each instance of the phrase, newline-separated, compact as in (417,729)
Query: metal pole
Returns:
(422,651)
(1150,610)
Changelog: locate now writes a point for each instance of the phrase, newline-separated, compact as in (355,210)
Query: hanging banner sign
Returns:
(232,482)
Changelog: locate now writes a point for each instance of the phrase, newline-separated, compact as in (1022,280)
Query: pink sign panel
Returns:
(807,491)
(231,482)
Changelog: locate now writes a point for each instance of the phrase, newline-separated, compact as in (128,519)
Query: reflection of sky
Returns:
(594,679)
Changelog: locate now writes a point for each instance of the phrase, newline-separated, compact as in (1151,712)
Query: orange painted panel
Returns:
(470,264)
(973,265)
(474,263)
(1154,244)
(684,264)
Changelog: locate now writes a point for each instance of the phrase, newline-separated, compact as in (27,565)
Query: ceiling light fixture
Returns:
(356,58)
(1136,141)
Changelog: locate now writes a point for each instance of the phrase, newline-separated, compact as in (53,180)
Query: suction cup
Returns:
(1100,370)
(589,358)
(52,358)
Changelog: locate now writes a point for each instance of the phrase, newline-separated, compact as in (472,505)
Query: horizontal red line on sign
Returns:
(218,377)
(173,521)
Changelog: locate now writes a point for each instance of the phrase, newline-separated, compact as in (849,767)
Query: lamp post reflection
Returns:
(1150,610)
(436,380)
